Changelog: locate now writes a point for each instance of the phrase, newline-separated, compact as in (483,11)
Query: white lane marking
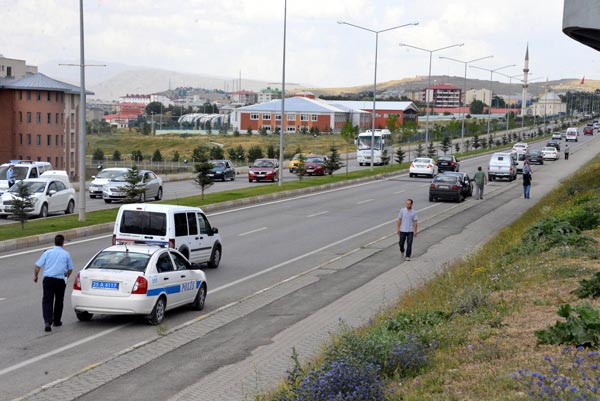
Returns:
(398,192)
(252,232)
(50,246)
(59,350)
(318,214)
(365,201)
(2,299)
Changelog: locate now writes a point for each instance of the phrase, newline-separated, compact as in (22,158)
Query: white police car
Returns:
(132,279)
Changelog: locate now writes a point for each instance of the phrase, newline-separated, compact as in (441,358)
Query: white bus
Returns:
(382,141)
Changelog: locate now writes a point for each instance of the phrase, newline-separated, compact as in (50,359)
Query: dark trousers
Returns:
(408,238)
(53,298)
(566,155)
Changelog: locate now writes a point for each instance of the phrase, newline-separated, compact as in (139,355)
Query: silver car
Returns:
(150,186)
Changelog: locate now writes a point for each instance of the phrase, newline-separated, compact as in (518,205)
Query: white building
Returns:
(478,94)
(10,67)
(548,105)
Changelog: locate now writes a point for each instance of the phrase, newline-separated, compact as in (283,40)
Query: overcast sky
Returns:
(222,37)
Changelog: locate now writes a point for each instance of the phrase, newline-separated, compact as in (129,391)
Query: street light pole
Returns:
(462,131)
(509,95)
(491,94)
(280,181)
(429,80)
(373,112)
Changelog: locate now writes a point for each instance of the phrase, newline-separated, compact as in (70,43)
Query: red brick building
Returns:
(39,121)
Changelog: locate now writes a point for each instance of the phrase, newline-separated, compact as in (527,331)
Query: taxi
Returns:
(137,279)
(293,164)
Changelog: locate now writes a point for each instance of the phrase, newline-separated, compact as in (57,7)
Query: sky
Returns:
(223,37)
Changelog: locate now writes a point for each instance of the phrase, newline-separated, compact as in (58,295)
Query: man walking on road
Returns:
(58,266)
(526,179)
(480,181)
(406,227)
(566,151)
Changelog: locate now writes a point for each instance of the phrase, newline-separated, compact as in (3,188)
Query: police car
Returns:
(137,279)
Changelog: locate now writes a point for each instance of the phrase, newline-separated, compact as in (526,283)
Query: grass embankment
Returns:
(466,334)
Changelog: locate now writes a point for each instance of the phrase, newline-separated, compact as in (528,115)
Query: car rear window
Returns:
(145,223)
(521,156)
(445,178)
(120,261)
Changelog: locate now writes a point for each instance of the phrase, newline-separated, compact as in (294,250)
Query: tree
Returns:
(393,124)
(116,155)
(200,153)
(154,108)
(347,134)
(385,157)
(255,152)
(300,166)
(476,107)
(157,156)
(457,147)
(176,156)
(208,127)
(409,129)
(431,150)
(22,203)
(133,188)
(333,162)
(400,154)
(146,130)
(446,144)
(271,153)
(420,150)
(98,154)
(137,156)
(476,143)
(467,145)
(202,170)
(484,143)
(216,153)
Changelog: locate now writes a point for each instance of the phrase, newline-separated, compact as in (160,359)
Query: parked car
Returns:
(315,165)
(596,125)
(222,170)
(423,166)
(465,180)
(103,177)
(150,186)
(51,193)
(503,165)
(521,157)
(264,170)
(184,228)
(448,163)
(550,153)
(445,186)
(294,162)
(557,135)
(520,147)
(24,169)
(588,130)
(535,157)
(554,144)
(132,280)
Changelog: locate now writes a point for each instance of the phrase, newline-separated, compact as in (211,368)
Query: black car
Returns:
(554,144)
(447,163)
(465,180)
(446,186)
(535,157)
(222,170)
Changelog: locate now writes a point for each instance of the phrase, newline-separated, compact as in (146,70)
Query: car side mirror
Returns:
(93,177)
(195,266)
(215,230)
(51,192)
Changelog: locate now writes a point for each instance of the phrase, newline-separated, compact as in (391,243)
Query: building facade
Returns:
(548,105)
(443,96)
(483,95)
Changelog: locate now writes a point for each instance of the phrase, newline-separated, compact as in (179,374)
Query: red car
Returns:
(264,170)
(315,165)
(588,131)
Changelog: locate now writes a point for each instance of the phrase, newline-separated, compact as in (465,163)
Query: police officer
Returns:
(58,266)
(11,176)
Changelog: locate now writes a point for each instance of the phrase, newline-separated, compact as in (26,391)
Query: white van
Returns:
(503,165)
(181,227)
(24,169)
(571,134)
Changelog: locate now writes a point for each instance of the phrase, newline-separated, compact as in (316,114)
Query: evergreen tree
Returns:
(133,188)
(240,153)
(137,156)
(271,154)
(347,134)
(116,155)
(202,170)
(333,162)
(420,150)
(22,203)
(301,166)
(467,145)
(255,152)
(400,155)
(176,156)
(216,153)
(98,155)
(457,147)
(385,157)
(200,153)
(484,143)
(476,144)
(431,150)
(157,156)
(446,144)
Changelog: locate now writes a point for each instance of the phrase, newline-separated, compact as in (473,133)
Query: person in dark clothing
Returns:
(526,179)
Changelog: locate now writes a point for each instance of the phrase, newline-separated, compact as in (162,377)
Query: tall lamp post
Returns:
(510,78)
(462,131)
(491,94)
(282,127)
(427,97)
(375,75)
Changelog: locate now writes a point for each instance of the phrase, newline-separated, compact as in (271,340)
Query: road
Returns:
(264,245)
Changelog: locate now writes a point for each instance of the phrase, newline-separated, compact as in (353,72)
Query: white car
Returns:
(139,279)
(51,193)
(423,166)
(550,153)
(150,186)
(520,147)
(103,177)
(557,135)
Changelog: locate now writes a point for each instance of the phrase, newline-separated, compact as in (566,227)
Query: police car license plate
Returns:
(105,285)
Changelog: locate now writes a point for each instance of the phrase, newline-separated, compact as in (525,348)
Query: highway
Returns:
(264,245)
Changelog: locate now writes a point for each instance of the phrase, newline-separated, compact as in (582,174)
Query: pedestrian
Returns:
(406,227)
(480,181)
(58,266)
(527,174)
(566,151)
(11,176)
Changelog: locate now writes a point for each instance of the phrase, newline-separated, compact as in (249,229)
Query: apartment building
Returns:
(442,96)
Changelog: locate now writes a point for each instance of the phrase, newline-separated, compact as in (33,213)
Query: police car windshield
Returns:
(120,260)
(34,187)
(20,172)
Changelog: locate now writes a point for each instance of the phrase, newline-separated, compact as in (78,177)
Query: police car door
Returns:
(187,277)
(169,281)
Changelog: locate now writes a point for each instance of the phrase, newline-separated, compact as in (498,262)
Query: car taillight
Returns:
(452,163)
(412,165)
(77,283)
(140,286)
(429,166)
(171,242)
(114,239)
(432,186)
(454,187)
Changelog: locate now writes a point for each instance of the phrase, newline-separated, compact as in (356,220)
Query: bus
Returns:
(382,143)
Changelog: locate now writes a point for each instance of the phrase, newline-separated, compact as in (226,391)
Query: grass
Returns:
(482,312)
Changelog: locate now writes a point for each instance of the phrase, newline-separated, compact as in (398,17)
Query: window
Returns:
(20,116)
(72,120)
(181,263)
(291,117)
(49,119)
(181,227)
(72,139)
(28,95)
(39,95)
(56,140)
(192,223)
(314,117)
(254,116)
(266,127)
(49,96)
(56,165)
(303,117)
(38,140)
(20,95)
(266,116)
(72,157)
(277,117)
(49,140)
(291,129)
(164,264)
(49,159)
(38,117)
(20,139)
(57,97)
(28,141)
(28,115)
(203,224)
(56,118)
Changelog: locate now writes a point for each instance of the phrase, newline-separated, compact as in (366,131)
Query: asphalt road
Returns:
(263,245)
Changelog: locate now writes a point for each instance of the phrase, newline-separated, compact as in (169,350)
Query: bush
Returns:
(581,327)
(255,152)
(550,232)
(98,154)
(588,288)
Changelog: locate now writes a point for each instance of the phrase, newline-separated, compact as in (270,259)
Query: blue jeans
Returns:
(408,238)
(526,190)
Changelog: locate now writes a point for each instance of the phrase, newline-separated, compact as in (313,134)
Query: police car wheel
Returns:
(158,313)
(84,316)
(200,299)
